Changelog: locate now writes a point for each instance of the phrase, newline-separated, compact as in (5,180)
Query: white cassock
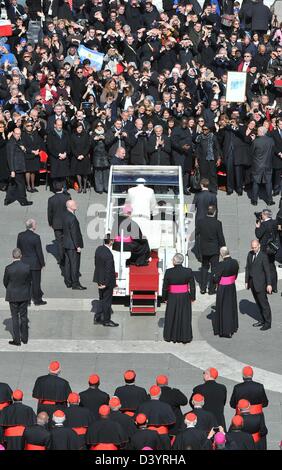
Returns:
(143,203)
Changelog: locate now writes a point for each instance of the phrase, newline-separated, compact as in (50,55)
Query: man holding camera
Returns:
(266,233)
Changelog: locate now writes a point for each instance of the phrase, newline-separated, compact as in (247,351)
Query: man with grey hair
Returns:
(17,281)
(30,245)
(178,293)
(225,317)
(262,151)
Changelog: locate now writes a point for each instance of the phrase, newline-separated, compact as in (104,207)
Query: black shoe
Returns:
(68,285)
(14,343)
(26,203)
(98,322)
(229,193)
(110,323)
(41,302)
(24,342)
(265,327)
(211,292)
(29,190)
(34,190)
(254,203)
(258,323)
(274,291)
(79,287)
(270,203)
(6,203)
(203,291)
(240,193)
(276,193)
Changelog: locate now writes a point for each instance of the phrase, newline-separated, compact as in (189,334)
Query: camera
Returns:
(258,216)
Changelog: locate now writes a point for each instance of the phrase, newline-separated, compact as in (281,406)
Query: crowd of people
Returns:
(159,98)
(133,418)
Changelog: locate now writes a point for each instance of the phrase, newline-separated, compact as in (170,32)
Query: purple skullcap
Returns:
(219,438)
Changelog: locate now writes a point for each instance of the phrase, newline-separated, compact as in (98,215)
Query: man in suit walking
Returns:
(56,211)
(30,245)
(211,239)
(17,281)
(105,277)
(203,199)
(73,244)
(258,279)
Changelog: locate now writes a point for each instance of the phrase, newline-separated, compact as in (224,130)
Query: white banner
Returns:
(236,87)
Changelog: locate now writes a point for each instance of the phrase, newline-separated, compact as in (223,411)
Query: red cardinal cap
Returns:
(161,380)
(190,417)
(141,419)
(129,375)
(114,402)
(155,391)
(213,372)
(104,410)
(198,398)
(94,379)
(73,398)
(237,421)
(59,414)
(248,371)
(243,404)
(17,394)
(54,366)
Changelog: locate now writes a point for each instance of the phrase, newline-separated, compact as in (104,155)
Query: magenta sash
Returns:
(179,288)
(125,239)
(227,280)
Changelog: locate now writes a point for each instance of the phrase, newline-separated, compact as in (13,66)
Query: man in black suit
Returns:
(30,245)
(17,281)
(209,231)
(105,277)
(16,163)
(73,244)
(56,211)
(277,158)
(203,199)
(266,231)
(258,279)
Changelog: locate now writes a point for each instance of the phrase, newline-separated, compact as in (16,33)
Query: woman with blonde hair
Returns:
(110,88)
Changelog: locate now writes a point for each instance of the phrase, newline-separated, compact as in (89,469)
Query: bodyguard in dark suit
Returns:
(277,158)
(258,279)
(17,281)
(56,211)
(30,245)
(105,277)
(73,244)
(209,231)
(266,231)
(204,199)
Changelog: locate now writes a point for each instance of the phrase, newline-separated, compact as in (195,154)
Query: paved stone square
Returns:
(63,329)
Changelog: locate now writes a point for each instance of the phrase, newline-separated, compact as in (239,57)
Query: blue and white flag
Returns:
(96,58)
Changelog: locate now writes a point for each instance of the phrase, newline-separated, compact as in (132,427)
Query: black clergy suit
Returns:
(105,275)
